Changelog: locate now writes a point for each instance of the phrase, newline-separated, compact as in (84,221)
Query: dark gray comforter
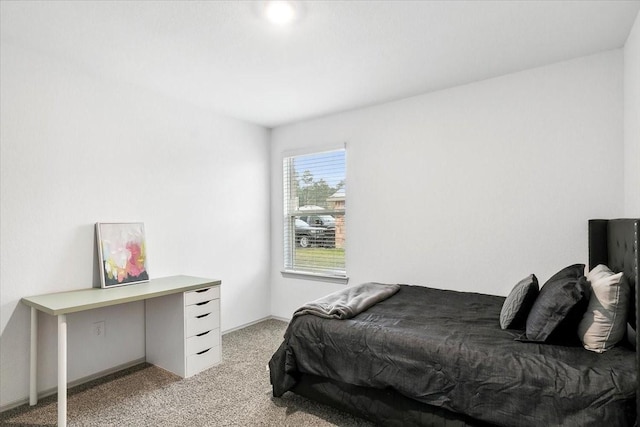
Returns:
(446,348)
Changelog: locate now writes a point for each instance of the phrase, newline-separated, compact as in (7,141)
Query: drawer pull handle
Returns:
(202,334)
(202,315)
(203,303)
(203,351)
(202,290)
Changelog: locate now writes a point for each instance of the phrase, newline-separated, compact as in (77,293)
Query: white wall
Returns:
(77,149)
(632,122)
(470,188)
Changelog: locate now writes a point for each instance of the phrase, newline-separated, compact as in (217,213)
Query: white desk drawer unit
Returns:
(195,331)
(202,325)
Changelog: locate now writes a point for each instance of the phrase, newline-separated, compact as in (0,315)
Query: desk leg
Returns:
(33,359)
(62,370)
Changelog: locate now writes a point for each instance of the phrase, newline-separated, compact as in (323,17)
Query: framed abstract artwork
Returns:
(122,253)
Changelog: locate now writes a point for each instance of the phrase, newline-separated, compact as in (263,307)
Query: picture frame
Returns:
(122,253)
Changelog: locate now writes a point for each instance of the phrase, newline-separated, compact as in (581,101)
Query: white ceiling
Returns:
(338,56)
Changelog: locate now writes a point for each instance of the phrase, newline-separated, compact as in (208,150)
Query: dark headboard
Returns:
(614,243)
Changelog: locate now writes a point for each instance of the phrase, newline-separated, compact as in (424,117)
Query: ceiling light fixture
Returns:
(280,12)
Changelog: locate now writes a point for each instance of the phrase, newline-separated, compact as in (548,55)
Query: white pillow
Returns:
(604,324)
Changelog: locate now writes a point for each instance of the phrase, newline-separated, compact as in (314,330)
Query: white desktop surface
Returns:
(90,298)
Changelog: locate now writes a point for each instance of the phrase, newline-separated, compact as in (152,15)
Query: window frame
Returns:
(289,215)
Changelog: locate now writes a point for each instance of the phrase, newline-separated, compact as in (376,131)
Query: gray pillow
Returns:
(559,307)
(519,302)
(604,324)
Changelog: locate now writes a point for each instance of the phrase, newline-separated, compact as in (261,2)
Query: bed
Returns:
(432,357)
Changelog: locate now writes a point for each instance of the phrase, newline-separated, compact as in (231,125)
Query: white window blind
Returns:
(314,213)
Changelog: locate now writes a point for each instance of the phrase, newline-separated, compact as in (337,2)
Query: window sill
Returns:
(295,274)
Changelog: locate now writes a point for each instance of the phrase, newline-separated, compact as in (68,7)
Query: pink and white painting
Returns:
(122,253)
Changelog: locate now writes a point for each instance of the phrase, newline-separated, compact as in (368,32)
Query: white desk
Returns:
(62,303)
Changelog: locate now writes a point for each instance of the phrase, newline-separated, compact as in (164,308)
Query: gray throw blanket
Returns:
(348,302)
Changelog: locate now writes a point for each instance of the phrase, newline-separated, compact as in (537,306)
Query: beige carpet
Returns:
(235,393)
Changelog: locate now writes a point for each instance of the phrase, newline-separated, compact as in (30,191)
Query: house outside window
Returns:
(315,214)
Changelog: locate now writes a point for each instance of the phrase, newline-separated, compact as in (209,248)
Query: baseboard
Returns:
(246,325)
(53,390)
(282,319)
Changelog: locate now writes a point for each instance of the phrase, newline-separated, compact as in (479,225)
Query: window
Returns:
(314,214)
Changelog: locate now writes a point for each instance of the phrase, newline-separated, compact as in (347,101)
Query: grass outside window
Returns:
(324,258)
